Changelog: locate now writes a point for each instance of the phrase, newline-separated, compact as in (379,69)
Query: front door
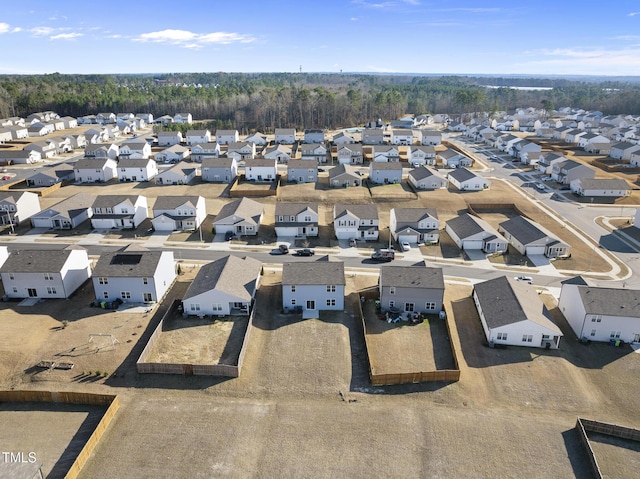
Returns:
(636,338)
(147,297)
(311,304)
(32,293)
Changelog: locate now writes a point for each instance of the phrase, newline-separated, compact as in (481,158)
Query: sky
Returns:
(543,37)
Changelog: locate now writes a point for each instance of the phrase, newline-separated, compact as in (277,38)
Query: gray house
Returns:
(314,136)
(472,233)
(223,170)
(350,154)
(302,171)
(313,286)
(344,175)
(296,219)
(67,214)
(530,238)
(414,225)
(566,171)
(423,178)
(50,176)
(179,174)
(241,217)
(223,287)
(411,289)
(382,173)
(373,136)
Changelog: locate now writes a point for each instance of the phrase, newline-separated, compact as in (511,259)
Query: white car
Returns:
(405,246)
(541,186)
(528,279)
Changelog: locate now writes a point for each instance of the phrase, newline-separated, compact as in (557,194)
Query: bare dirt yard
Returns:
(617,457)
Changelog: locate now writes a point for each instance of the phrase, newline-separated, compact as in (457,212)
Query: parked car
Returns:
(228,236)
(283,248)
(545,178)
(541,186)
(385,255)
(527,279)
(405,246)
(305,252)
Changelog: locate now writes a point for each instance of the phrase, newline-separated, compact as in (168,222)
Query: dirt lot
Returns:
(616,457)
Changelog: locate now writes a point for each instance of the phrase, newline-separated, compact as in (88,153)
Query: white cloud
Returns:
(379,5)
(354,19)
(115,35)
(595,61)
(192,40)
(633,14)
(4,27)
(65,36)
(41,31)
(16,30)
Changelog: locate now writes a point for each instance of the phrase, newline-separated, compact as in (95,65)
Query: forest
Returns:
(264,101)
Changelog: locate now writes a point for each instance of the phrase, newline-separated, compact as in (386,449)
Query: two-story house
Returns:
(204,150)
(314,151)
(219,170)
(118,211)
(178,213)
(356,221)
(411,289)
(241,150)
(137,169)
(261,169)
(197,137)
(302,171)
(350,154)
(17,207)
(224,137)
(95,170)
(414,225)
(296,219)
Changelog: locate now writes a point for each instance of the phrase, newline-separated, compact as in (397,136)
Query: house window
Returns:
(615,335)
(392,290)
(392,304)
(105,295)
(596,319)
(217,307)
(125,295)
(409,307)
(307,219)
(293,288)
(293,302)
(51,290)
(331,288)
(429,306)
(331,302)
(280,218)
(593,332)
(48,276)
(145,280)
(15,290)
(501,337)
(103,280)
(195,307)
(527,338)
(292,218)
(11,276)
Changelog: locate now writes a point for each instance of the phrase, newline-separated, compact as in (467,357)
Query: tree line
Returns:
(264,101)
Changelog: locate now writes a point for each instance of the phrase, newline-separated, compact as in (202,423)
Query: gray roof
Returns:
(14,154)
(236,145)
(128,262)
(36,261)
(353,148)
(285,131)
(610,301)
(302,164)
(412,277)
(467,225)
(361,211)
(428,149)
(11,196)
(197,132)
(108,201)
(70,207)
(321,271)
(413,215)
(524,230)
(462,174)
(226,132)
(386,165)
(567,165)
(91,163)
(422,173)
(624,145)
(173,202)
(292,209)
(506,301)
(243,208)
(341,170)
(449,153)
(604,184)
(231,274)
(221,162)
(134,162)
(260,163)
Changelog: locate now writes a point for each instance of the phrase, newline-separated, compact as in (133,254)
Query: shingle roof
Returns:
(384,165)
(231,274)
(321,271)
(35,261)
(610,301)
(302,164)
(69,207)
(128,262)
(91,163)
(134,162)
(524,230)
(341,170)
(361,211)
(244,208)
(604,184)
(422,173)
(107,201)
(221,162)
(467,225)
(413,215)
(411,277)
(462,174)
(173,202)
(506,301)
(292,209)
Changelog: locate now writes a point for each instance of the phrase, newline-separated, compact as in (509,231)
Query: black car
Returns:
(228,236)
(283,248)
(305,252)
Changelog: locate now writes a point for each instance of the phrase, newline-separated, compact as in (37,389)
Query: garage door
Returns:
(532,250)
(472,244)
(409,238)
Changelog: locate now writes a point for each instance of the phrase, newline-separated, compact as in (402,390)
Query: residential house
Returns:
(344,175)
(466,180)
(566,171)
(452,159)
(525,148)
(547,160)
(118,211)
(226,286)
(343,139)
(512,313)
(431,137)
(302,171)
(206,150)
(106,117)
(349,154)
(179,174)
(373,136)
(196,137)
(98,170)
(623,150)
(314,151)
(16,207)
(257,138)
(573,136)
(385,173)
(313,286)
(356,222)
(183,118)
(169,138)
(224,137)
(76,141)
(414,225)
(18,132)
(133,275)
(47,149)
(38,129)
(285,136)
(66,214)
(296,219)
(506,142)
(164,120)
(532,158)
(241,150)
(423,155)
(4,254)
(587,141)
(224,170)
(178,213)
(385,153)
(411,289)
(423,178)
(261,169)
(52,175)
(280,153)
(469,232)
(19,157)
(240,217)
(102,150)
(314,136)
(45,273)
(135,149)
(173,154)
(5,135)
(612,187)
(529,238)
(401,137)
(137,169)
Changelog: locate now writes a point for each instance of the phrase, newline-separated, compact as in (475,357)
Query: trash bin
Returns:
(617,343)
(612,342)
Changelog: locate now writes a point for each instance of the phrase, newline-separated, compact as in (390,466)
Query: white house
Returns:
(178,213)
(414,225)
(133,275)
(223,287)
(424,178)
(66,214)
(280,153)
(296,219)
(623,150)
(261,169)
(382,173)
(196,137)
(313,136)
(50,175)
(90,170)
(466,180)
(45,273)
(431,137)
(169,138)
(17,207)
(512,313)
(402,137)
(118,211)
(314,151)
(241,150)
(344,175)
(21,157)
(134,149)
(137,169)
(180,174)
(422,155)
(102,150)
(285,136)
(224,137)
(356,221)
(349,154)
(240,217)
(173,154)
(530,238)
(4,254)
(615,187)
(385,153)
(452,159)
(257,138)
(469,232)
(343,139)
(205,150)
(183,118)
(600,313)
(224,170)
(313,286)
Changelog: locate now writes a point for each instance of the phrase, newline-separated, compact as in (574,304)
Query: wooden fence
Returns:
(617,167)
(111,401)
(41,191)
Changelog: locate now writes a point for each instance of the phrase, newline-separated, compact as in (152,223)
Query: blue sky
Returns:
(446,36)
